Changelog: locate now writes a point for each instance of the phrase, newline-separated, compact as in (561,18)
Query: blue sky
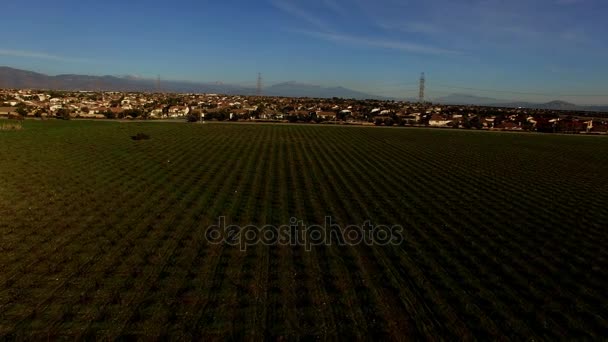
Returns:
(540,50)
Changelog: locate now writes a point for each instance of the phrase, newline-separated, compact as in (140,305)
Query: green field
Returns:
(103,236)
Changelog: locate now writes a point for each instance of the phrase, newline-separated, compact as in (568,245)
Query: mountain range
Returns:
(23,79)
(19,79)
(294,89)
(467,99)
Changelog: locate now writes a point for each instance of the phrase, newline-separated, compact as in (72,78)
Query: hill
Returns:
(467,99)
(295,89)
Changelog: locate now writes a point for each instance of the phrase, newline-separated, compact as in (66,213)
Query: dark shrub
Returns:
(140,136)
(193,116)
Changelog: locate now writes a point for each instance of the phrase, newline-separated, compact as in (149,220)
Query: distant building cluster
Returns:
(44,104)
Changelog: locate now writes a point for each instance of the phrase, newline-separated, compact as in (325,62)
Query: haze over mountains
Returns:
(466,99)
(16,78)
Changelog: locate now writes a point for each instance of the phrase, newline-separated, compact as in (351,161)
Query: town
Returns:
(45,104)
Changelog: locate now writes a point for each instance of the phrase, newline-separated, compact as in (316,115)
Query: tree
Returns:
(173,101)
(527,126)
(134,113)
(454,124)
(109,114)
(63,113)
(260,110)
(55,93)
(499,119)
(21,111)
(193,116)
(222,114)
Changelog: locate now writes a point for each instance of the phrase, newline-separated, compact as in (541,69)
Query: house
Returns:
(409,119)
(598,128)
(6,111)
(326,115)
(438,120)
(91,116)
(298,112)
(457,121)
(508,126)
(177,111)
(117,111)
(570,125)
(240,113)
(156,112)
(56,107)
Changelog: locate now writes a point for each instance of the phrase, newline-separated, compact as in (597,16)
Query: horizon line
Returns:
(411,98)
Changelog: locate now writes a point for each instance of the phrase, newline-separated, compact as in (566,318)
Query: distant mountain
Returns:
(558,105)
(465,99)
(15,78)
(554,105)
(294,89)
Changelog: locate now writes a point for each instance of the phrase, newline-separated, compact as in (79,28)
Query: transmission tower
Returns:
(99,89)
(421,93)
(259,85)
(158,84)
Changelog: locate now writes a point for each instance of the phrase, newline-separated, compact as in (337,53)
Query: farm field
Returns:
(102,236)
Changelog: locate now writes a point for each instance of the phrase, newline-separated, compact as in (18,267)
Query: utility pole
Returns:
(100,90)
(421,93)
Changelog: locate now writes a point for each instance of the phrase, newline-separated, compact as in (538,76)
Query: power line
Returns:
(259,85)
(421,91)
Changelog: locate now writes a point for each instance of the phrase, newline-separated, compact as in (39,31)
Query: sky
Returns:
(533,50)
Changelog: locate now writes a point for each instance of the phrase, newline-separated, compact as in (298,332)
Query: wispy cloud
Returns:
(40,55)
(322,30)
(435,27)
(379,43)
(569,2)
(519,32)
(577,36)
(292,9)
(334,6)
(412,27)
